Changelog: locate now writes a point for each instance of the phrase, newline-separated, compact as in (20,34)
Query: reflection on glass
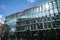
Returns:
(43,7)
(40,15)
(37,9)
(47,6)
(40,9)
(51,11)
(43,14)
(50,5)
(58,2)
(54,4)
(47,13)
(56,11)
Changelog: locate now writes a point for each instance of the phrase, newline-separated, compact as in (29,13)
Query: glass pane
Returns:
(50,5)
(43,7)
(47,13)
(43,14)
(45,25)
(58,0)
(58,4)
(40,15)
(51,11)
(47,6)
(37,9)
(40,9)
(54,4)
(40,26)
(49,25)
(56,11)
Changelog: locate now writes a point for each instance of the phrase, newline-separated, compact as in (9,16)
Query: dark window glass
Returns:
(58,2)
(48,18)
(54,24)
(53,18)
(58,9)
(49,25)
(40,26)
(45,25)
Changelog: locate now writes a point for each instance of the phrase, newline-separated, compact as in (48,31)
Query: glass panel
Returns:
(43,7)
(47,6)
(49,25)
(54,4)
(48,18)
(47,13)
(45,25)
(54,24)
(40,9)
(43,14)
(34,26)
(58,0)
(51,11)
(50,5)
(40,26)
(58,4)
(37,9)
(56,11)
(40,15)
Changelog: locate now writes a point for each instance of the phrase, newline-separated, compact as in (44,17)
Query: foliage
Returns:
(28,35)
(51,34)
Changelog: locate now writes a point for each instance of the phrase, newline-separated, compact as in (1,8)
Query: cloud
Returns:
(31,1)
(1,21)
(1,16)
(3,6)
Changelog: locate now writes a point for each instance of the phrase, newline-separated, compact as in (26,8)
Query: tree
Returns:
(51,34)
(6,29)
(28,35)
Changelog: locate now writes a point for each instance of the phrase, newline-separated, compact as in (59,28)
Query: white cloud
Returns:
(3,6)
(1,21)
(1,16)
(31,1)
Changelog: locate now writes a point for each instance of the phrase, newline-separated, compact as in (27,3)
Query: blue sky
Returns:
(8,7)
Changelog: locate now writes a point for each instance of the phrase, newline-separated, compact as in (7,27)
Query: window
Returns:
(47,6)
(43,14)
(50,5)
(49,25)
(54,24)
(34,26)
(56,11)
(47,13)
(45,25)
(40,9)
(43,7)
(28,27)
(34,10)
(54,4)
(37,9)
(40,15)
(58,2)
(48,18)
(51,11)
(40,26)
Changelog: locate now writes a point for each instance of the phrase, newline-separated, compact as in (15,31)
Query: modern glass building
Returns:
(41,17)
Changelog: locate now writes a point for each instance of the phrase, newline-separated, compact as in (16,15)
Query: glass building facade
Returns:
(43,16)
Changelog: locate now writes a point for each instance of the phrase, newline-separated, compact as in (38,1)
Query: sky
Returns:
(8,7)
